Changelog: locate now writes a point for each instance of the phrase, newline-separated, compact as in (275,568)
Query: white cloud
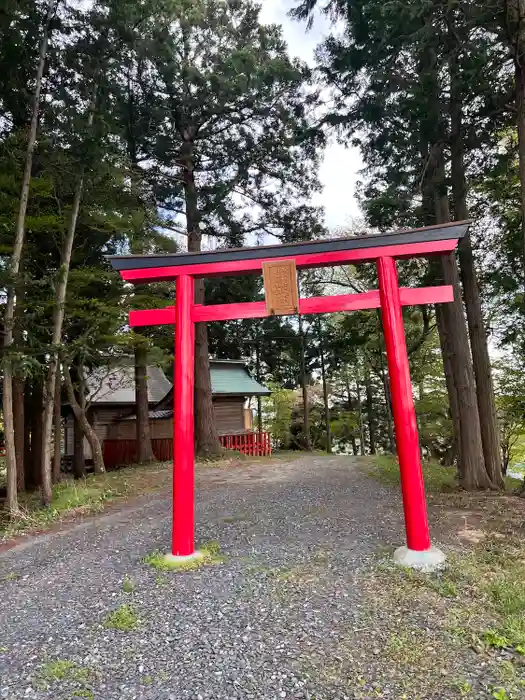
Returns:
(340,167)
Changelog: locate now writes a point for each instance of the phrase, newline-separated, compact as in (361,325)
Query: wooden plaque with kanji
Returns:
(280,287)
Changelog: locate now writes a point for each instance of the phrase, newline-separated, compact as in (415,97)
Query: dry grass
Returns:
(454,634)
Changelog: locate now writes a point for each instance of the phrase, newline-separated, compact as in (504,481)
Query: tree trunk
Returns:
(514,27)
(14,268)
(453,329)
(362,440)
(506,458)
(446,355)
(206,436)
(435,210)
(472,472)
(259,415)
(436,275)
(57,431)
(386,389)
(81,416)
(325,389)
(370,412)
(490,434)
(10,455)
(36,435)
(482,369)
(304,389)
(19,428)
(29,477)
(520,117)
(19,391)
(58,321)
(144,448)
(350,405)
(79,463)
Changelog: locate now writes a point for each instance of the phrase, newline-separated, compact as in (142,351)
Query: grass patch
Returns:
(508,594)
(464,688)
(11,576)
(296,575)
(211,554)
(406,648)
(512,483)
(438,479)
(128,586)
(452,631)
(487,588)
(235,455)
(63,670)
(385,469)
(124,619)
(85,496)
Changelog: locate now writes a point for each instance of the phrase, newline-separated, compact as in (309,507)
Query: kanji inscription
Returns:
(280,286)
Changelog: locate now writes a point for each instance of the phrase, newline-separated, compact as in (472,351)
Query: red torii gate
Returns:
(383,249)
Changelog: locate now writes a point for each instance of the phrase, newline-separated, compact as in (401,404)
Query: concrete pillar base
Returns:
(174,561)
(428,560)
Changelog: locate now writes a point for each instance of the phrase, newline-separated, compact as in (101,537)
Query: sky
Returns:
(340,168)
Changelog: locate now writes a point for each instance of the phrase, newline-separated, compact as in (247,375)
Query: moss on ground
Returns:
(62,673)
(128,585)
(210,551)
(124,618)
(63,669)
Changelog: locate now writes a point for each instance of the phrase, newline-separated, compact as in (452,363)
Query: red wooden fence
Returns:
(252,444)
(117,452)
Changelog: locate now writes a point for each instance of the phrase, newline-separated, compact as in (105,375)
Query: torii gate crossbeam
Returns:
(383,249)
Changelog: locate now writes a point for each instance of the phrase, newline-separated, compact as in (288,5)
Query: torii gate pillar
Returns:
(418,553)
(183,523)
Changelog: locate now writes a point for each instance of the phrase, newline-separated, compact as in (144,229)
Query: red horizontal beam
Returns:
(238,267)
(152,317)
(314,305)
(426,295)
(229,312)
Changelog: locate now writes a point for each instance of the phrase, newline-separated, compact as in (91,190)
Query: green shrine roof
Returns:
(230,377)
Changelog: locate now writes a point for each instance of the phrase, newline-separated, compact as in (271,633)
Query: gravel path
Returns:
(265,624)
